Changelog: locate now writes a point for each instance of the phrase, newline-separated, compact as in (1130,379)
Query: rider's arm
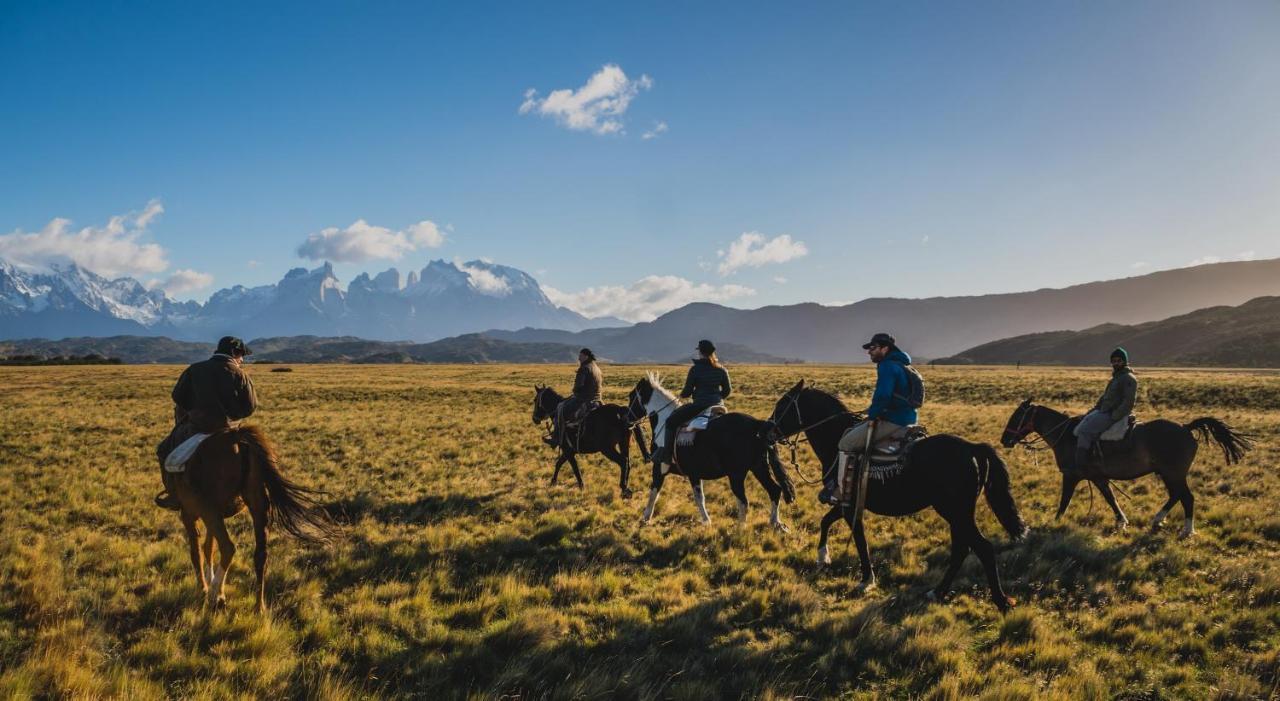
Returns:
(182,391)
(725,387)
(883,393)
(688,384)
(246,398)
(1128,397)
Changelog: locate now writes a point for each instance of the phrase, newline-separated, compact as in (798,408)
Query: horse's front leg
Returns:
(619,457)
(555,474)
(864,555)
(577,474)
(824,556)
(655,488)
(1104,486)
(1069,482)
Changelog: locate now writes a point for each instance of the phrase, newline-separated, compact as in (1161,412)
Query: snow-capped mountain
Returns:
(443,299)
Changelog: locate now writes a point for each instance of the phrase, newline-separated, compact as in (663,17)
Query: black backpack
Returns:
(915,388)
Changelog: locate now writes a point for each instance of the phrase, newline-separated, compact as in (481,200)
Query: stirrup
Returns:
(165,500)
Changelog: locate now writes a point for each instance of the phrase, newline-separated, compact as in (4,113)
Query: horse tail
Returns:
(780,474)
(294,508)
(995,484)
(1234,444)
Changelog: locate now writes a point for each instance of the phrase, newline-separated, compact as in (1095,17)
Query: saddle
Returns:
(689,430)
(580,414)
(1119,431)
(896,448)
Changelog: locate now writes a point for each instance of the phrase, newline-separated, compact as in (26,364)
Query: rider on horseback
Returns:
(586,392)
(708,384)
(890,410)
(210,396)
(1115,405)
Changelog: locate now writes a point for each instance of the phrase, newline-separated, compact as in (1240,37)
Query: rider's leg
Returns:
(1091,428)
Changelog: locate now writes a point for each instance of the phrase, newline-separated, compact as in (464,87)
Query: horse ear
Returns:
(797,387)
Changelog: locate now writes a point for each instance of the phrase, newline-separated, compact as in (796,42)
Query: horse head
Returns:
(1021,423)
(541,412)
(785,418)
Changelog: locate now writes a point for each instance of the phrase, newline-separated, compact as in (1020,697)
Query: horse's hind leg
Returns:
(737,484)
(864,554)
(655,489)
(700,500)
(206,549)
(1104,486)
(1189,509)
(226,551)
(959,551)
(193,544)
(577,474)
(1171,485)
(824,556)
(256,498)
(761,471)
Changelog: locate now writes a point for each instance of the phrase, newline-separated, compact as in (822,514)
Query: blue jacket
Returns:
(891,378)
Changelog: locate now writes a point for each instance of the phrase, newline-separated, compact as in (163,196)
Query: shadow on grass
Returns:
(430,508)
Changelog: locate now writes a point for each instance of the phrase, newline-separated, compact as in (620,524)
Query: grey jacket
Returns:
(706,383)
(587,383)
(1120,395)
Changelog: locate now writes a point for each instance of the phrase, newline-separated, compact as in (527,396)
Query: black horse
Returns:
(606,430)
(1161,446)
(944,472)
(731,446)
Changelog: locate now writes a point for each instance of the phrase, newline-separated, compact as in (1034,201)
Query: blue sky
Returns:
(904,149)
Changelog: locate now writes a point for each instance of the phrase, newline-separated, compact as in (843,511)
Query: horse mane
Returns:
(829,400)
(655,381)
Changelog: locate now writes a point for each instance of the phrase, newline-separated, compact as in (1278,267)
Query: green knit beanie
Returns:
(1122,354)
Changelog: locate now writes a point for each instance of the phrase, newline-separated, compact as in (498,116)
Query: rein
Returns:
(802,433)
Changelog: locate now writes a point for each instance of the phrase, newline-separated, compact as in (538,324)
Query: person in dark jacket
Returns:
(1115,405)
(210,396)
(889,412)
(707,384)
(586,391)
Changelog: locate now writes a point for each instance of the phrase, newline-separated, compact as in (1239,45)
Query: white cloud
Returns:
(780,279)
(597,106)
(1140,264)
(484,281)
(1207,260)
(182,281)
(644,299)
(925,241)
(111,250)
(254,263)
(753,250)
(362,241)
(658,128)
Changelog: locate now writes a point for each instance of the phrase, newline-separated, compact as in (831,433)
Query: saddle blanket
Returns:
(699,423)
(1118,430)
(177,460)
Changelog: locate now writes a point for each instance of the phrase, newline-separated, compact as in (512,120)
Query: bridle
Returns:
(1027,425)
(794,443)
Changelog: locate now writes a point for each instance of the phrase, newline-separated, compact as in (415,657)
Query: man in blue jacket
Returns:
(890,411)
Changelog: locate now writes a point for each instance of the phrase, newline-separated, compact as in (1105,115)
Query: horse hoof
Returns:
(933,597)
(705,521)
(1185,534)
(627,493)
(865,587)
(781,527)
(1008,603)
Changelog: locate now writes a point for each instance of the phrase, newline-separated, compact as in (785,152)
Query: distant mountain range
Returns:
(928,328)
(467,348)
(444,299)
(1243,336)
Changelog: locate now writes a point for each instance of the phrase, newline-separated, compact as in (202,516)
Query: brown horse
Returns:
(1164,447)
(231,470)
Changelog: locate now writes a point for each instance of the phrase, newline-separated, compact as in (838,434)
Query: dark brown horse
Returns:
(606,430)
(233,470)
(943,472)
(1164,447)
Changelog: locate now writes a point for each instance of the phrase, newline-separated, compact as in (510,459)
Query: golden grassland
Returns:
(460,573)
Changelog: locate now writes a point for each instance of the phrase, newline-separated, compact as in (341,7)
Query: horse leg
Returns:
(700,500)
(655,488)
(206,550)
(1171,486)
(226,551)
(824,556)
(1069,483)
(256,498)
(1188,509)
(986,552)
(619,459)
(864,554)
(577,474)
(959,551)
(193,544)
(1104,486)
(555,474)
(761,471)
(737,485)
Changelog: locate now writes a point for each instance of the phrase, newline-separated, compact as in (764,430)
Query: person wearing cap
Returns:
(707,384)
(1115,405)
(210,396)
(586,391)
(889,412)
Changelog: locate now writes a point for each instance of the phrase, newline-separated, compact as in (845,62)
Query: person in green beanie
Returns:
(1115,405)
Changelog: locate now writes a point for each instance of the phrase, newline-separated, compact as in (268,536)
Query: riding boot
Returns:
(1084,456)
(830,493)
(165,500)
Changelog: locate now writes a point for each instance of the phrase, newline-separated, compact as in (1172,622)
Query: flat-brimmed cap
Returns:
(230,345)
(880,339)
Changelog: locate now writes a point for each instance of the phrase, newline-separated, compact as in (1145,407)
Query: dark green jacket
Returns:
(212,393)
(586,385)
(706,383)
(1120,395)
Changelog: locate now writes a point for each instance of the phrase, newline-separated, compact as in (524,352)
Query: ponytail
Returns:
(714,360)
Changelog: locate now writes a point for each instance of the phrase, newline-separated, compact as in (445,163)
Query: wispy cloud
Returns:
(484,281)
(1140,265)
(182,281)
(597,106)
(780,279)
(111,250)
(1207,260)
(658,128)
(363,241)
(644,299)
(753,250)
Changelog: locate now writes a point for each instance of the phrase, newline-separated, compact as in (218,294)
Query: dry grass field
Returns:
(461,574)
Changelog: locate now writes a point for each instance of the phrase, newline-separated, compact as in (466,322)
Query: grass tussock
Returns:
(462,574)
